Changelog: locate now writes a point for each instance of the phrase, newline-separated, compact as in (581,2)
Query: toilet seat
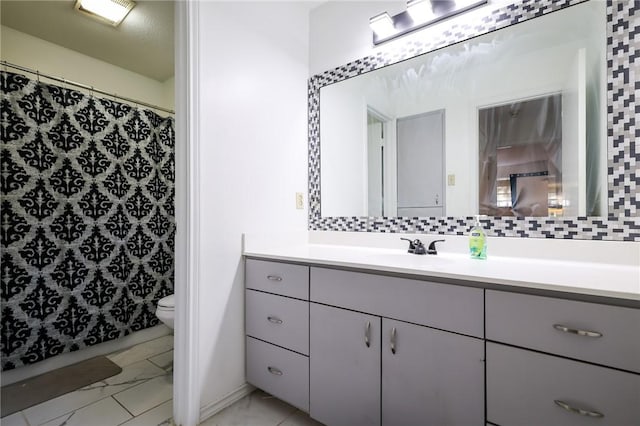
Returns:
(167,303)
(165,310)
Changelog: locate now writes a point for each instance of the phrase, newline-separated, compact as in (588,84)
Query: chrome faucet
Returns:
(417,247)
(432,247)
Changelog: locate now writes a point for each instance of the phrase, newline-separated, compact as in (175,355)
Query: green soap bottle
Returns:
(478,241)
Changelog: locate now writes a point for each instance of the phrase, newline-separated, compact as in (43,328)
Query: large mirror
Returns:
(510,123)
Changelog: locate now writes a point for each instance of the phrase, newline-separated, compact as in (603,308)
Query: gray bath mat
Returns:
(27,393)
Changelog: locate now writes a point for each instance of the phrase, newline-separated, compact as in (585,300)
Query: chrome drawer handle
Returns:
(580,411)
(274,371)
(274,320)
(274,278)
(393,340)
(585,333)
(367,334)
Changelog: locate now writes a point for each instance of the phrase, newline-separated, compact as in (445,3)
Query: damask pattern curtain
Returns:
(87,218)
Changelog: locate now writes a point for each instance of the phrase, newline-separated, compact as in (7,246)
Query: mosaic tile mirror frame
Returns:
(623,157)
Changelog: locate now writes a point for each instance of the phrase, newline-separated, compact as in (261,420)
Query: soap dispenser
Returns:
(477,241)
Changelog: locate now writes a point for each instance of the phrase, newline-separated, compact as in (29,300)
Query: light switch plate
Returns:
(451,180)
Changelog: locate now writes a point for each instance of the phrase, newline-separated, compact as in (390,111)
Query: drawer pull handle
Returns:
(275,371)
(393,340)
(367,334)
(274,278)
(580,411)
(274,320)
(585,333)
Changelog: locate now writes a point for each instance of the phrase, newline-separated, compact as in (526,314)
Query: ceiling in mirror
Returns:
(607,163)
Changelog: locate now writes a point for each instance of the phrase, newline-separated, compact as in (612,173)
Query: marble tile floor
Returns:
(141,395)
(260,409)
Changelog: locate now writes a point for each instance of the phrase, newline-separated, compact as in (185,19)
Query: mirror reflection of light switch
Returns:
(451,180)
(299,202)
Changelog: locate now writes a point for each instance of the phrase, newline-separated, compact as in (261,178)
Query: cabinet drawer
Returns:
(528,388)
(279,278)
(448,307)
(282,373)
(538,322)
(279,320)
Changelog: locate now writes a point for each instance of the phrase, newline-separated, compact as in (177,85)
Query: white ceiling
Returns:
(142,43)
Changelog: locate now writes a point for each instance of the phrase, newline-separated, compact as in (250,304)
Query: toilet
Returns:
(166,310)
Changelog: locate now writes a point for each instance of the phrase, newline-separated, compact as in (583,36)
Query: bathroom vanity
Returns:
(366,337)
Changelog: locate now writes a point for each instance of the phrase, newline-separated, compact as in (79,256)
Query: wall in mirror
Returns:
(537,110)
(505,100)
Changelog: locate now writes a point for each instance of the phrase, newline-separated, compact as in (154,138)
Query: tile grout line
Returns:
(25,418)
(148,359)
(125,409)
(146,411)
(140,384)
(286,418)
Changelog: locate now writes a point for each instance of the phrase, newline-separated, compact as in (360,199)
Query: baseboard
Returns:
(227,400)
(68,358)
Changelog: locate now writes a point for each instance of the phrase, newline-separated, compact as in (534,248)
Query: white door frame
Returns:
(186,386)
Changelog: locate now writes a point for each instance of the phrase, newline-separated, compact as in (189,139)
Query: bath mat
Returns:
(27,393)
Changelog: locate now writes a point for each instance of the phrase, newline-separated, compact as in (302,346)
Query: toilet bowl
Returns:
(166,310)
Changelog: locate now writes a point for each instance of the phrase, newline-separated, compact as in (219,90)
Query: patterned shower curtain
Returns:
(87,218)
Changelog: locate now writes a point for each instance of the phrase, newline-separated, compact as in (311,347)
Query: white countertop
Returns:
(590,278)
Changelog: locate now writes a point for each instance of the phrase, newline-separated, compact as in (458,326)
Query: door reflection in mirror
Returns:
(420,152)
(406,173)
(520,166)
(377,134)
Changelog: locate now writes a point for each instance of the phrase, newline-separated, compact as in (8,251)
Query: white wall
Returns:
(340,31)
(252,124)
(23,49)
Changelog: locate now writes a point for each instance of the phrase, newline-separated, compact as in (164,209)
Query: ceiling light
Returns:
(110,11)
(382,25)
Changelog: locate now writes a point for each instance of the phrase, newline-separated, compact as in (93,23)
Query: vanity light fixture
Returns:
(420,11)
(110,11)
(382,25)
(419,14)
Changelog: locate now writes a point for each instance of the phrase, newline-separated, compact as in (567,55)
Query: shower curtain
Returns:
(87,218)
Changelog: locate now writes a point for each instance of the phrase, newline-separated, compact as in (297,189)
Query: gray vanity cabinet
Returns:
(277,329)
(601,334)
(531,388)
(356,348)
(368,369)
(344,367)
(430,376)
(536,371)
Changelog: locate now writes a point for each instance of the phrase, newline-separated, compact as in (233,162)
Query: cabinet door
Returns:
(279,320)
(278,278)
(592,332)
(430,377)
(344,364)
(530,388)
(282,373)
